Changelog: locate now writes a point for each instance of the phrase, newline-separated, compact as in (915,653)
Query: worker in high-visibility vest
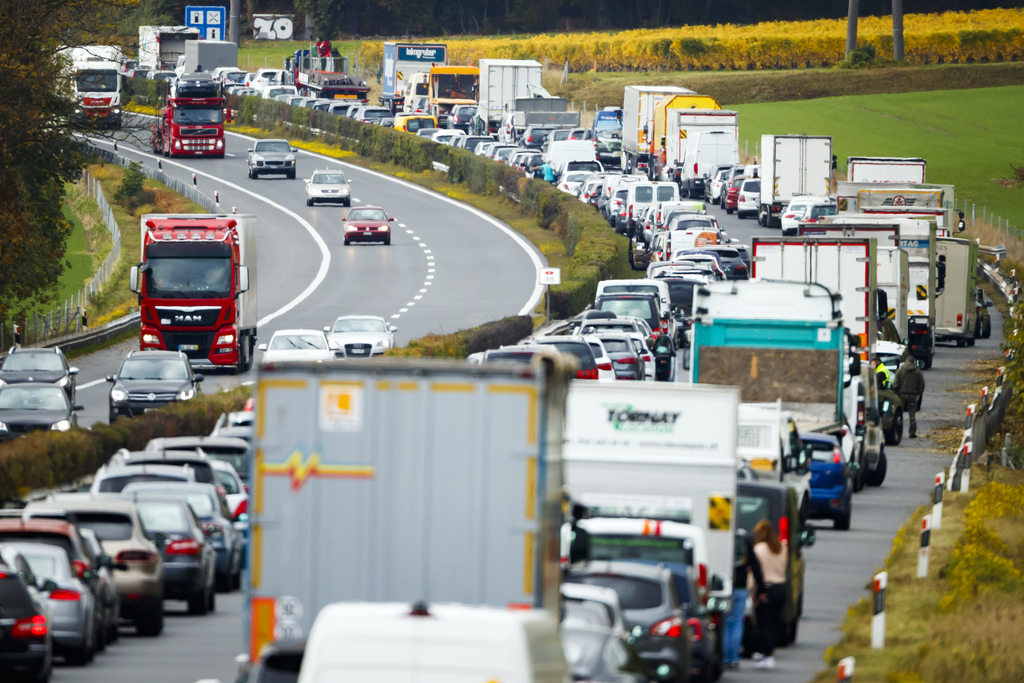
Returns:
(884,374)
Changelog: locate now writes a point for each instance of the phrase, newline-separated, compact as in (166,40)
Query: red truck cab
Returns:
(196,288)
(191,123)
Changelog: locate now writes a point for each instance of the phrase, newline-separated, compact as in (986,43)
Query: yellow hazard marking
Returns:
(257,495)
(453,386)
(261,615)
(753,367)
(299,470)
(922,292)
(682,135)
(528,552)
(719,513)
(257,554)
(531,488)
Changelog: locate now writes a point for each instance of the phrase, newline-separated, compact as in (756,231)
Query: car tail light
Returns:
(695,170)
(136,556)
(669,628)
(784,529)
(604,366)
(647,358)
(187,546)
(959,319)
(529,139)
(811,220)
(80,568)
(702,575)
(242,507)
(631,211)
(790,215)
(837,455)
(65,594)
(587,374)
(29,627)
(698,630)
(248,405)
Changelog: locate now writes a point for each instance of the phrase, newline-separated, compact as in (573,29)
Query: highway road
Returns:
(449,266)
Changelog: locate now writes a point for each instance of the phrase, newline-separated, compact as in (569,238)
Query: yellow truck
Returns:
(451,86)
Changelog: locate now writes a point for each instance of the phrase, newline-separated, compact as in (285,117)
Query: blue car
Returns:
(831,480)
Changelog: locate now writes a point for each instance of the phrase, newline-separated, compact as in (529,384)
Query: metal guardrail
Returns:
(185,189)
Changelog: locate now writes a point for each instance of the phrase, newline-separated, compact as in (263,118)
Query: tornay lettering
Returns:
(639,418)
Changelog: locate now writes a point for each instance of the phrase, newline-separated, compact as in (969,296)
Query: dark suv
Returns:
(652,610)
(149,380)
(26,646)
(644,306)
(41,366)
(534,137)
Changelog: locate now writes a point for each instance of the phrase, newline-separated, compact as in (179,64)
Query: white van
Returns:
(644,194)
(447,643)
(671,242)
(710,150)
(641,286)
(570,150)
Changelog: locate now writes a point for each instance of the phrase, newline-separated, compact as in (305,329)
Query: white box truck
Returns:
(657,451)
(160,46)
(502,82)
(638,105)
(696,141)
(885,170)
(401,480)
(955,315)
(792,165)
(207,55)
(912,200)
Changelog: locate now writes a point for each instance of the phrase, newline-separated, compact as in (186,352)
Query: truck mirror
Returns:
(882,300)
(940,275)
(227,114)
(243,279)
(854,364)
(133,279)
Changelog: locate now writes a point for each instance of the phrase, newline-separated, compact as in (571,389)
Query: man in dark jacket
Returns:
(745,562)
(909,385)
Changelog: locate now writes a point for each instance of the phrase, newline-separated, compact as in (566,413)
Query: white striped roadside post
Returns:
(846,670)
(940,481)
(878,618)
(926,540)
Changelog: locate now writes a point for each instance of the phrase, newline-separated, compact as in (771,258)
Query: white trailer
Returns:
(502,82)
(885,170)
(913,200)
(461,503)
(955,315)
(657,451)
(685,135)
(792,165)
(160,46)
(639,102)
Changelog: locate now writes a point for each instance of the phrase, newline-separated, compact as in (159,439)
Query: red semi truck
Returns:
(197,287)
(191,122)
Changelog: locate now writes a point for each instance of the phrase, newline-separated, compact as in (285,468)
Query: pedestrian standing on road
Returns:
(549,172)
(909,386)
(773,556)
(746,564)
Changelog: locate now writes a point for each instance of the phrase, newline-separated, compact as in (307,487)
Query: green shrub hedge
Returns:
(460,344)
(143,91)
(51,459)
(592,246)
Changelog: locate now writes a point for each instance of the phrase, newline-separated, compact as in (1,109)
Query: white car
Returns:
(806,210)
(361,336)
(279,92)
(640,344)
(572,182)
(446,136)
(234,490)
(605,371)
(267,77)
(485,148)
(328,186)
(748,203)
(302,345)
(717,184)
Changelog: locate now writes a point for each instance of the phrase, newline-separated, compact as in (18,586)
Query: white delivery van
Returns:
(640,286)
(792,165)
(423,643)
(570,150)
(768,440)
(642,195)
(709,150)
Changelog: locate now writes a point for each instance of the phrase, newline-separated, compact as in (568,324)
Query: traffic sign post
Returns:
(211,21)
(548,277)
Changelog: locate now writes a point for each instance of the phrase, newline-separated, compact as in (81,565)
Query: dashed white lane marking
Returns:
(418,297)
(428,283)
(402,225)
(402,310)
(426,251)
(430,277)
(396,315)
(422,290)
(431,270)
(422,244)
(356,199)
(90,384)
(409,231)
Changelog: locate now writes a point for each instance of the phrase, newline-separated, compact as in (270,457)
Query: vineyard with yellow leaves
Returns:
(949,38)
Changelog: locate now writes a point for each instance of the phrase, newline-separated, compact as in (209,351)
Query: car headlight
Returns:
(3,427)
(350,228)
(62,426)
(116,110)
(343,190)
(289,162)
(381,344)
(62,382)
(385,228)
(150,339)
(118,395)
(226,339)
(186,394)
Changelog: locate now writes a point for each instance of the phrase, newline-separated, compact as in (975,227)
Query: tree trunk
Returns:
(897,30)
(851,26)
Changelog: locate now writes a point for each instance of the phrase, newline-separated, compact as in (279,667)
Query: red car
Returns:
(732,197)
(367,224)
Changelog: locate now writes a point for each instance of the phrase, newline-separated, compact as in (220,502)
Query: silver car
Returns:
(73,625)
(361,336)
(328,186)
(273,157)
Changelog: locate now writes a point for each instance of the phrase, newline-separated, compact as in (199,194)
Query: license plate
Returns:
(367,233)
(188,347)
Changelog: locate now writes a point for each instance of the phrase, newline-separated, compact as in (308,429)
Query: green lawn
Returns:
(968,137)
(270,54)
(77,254)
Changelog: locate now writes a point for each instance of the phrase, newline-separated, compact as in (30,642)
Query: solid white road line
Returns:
(325,261)
(91,384)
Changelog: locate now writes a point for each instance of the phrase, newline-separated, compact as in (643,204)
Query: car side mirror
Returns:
(717,583)
(294,149)
(327,330)
(77,407)
(391,219)
(110,378)
(392,328)
(133,279)
(48,586)
(307,180)
(72,370)
(249,150)
(104,560)
(243,279)
(199,378)
(872,414)
(262,347)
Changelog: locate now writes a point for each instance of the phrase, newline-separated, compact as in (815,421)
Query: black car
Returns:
(39,366)
(983,330)
(596,654)
(27,408)
(654,614)
(278,662)
(729,258)
(151,379)
(190,562)
(461,117)
(534,137)
(26,646)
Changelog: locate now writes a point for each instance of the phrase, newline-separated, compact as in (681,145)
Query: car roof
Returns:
(154,353)
(298,330)
(622,567)
(104,502)
(163,454)
(50,526)
(820,438)
(170,486)
(360,317)
(143,468)
(178,442)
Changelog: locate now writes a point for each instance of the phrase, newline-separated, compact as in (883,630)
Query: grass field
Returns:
(969,137)
(270,54)
(77,254)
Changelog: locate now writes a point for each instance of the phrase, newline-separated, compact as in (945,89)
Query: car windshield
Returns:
(164,517)
(797,209)
(576,177)
(634,593)
(227,481)
(43,565)
(117,484)
(644,194)
(751,509)
(290,342)
(654,548)
(359,325)
(623,308)
(613,345)
(204,278)
(367,215)
(820,451)
(680,293)
(33,398)
(108,526)
(273,147)
(198,114)
(413,125)
(154,368)
(666,193)
(329,179)
(823,210)
(608,125)
(623,289)
(47,362)
(376,114)
(504,152)
(591,166)
(234,76)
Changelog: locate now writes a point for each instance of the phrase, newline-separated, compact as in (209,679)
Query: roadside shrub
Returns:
(860,57)
(460,344)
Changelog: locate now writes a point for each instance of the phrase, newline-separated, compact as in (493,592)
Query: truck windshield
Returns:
(455,86)
(182,278)
(97,81)
(678,550)
(190,114)
(608,124)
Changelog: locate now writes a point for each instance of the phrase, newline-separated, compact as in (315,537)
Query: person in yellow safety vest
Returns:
(885,375)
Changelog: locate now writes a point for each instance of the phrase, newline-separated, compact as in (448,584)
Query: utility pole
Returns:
(851,26)
(233,21)
(897,30)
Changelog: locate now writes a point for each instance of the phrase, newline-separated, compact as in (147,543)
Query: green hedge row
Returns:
(460,344)
(50,459)
(144,91)
(591,244)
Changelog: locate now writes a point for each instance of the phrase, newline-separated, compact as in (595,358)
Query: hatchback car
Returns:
(605,371)
(27,408)
(26,644)
(650,604)
(367,224)
(148,380)
(297,345)
(626,361)
(231,450)
(471,143)
(731,194)
(461,117)
(594,653)
(328,186)
(40,366)
(806,210)
(831,480)
(190,562)
(578,347)
(113,479)
(271,157)
(361,336)
(534,137)
(748,199)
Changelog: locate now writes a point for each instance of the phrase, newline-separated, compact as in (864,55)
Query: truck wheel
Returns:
(970,342)
(987,332)
(960,343)
(876,477)
(928,362)
(894,436)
